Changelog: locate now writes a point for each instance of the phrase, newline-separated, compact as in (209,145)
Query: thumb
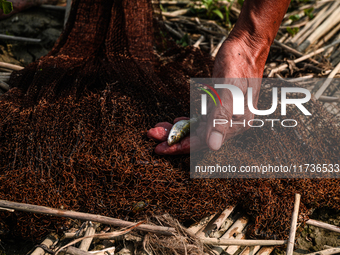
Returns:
(218,127)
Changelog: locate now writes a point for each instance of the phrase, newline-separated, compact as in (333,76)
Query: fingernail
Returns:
(215,140)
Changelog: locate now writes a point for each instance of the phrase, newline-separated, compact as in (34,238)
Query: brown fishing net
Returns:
(73,131)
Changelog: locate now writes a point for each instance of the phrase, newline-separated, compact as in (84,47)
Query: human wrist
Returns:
(255,49)
(238,59)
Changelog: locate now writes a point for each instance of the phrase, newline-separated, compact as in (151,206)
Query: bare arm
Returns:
(243,55)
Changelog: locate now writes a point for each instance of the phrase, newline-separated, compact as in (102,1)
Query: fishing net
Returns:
(73,132)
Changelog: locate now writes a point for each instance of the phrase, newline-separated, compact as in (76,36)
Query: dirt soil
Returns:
(38,23)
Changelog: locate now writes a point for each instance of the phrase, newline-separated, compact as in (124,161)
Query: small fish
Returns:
(140,206)
(180,130)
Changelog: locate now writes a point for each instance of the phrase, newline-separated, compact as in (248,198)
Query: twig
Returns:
(331,21)
(175,13)
(327,82)
(4,85)
(293,51)
(19,38)
(265,250)
(91,230)
(291,239)
(108,235)
(301,24)
(224,215)
(326,252)
(329,99)
(198,42)
(6,209)
(328,36)
(232,249)
(307,30)
(173,31)
(76,251)
(211,44)
(236,229)
(299,79)
(218,46)
(106,251)
(323,225)
(199,226)
(242,242)
(284,66)
(216,224)
(85,216)
(51,239)
(11,66)
(250,250)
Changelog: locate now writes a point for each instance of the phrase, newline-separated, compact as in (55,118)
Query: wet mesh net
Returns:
(73,132)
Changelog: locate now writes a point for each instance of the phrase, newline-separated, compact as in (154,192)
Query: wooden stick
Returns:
(301,24)
(197,227)
(293,51)
(216,224)
(106,251)
(236,229)
(85,216)
(4,85)
(326,252)
(217,48)
(19,38)
(265,250)
(300,78)
(327,82)
(298,60)
(175,13)
(250,250)
(330,22)
(70,235)
(11,66)
(51,239)
(291,239)
(242,242)
(108,235)
(328,36)
(6,209)
(309,28)
(76,251)
(211,44)
(287,48)
(228,222)
(224,215)
(198,42)
(232,249)
(303,33)
(321,224)
(329,247)
(329,99)
(91,230)
(173,31)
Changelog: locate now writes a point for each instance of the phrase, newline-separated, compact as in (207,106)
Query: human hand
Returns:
(195,141)
(234,62)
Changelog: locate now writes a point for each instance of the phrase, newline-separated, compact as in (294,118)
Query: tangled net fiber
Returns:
(73,132)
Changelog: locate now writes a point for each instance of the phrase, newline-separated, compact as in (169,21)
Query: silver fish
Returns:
(180,130)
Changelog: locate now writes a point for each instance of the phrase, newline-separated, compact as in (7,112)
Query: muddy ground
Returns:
(38,23)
